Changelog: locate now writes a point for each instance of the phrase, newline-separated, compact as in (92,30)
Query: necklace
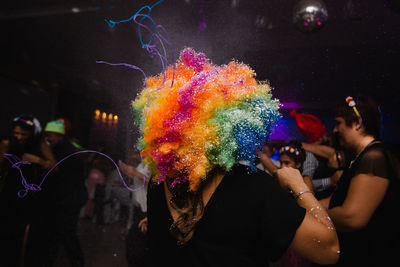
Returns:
(361,152)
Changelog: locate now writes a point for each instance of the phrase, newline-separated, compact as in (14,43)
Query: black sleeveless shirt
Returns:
(378,243)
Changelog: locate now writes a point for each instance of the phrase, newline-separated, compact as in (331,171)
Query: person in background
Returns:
(336,159)
(64,195)
(291,155)
(25,142)
(97,169)
(96,176)
(17,213)
(68,133)
(365,205)
(315,168)
(136,239)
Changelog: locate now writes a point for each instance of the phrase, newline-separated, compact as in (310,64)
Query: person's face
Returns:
(53,138)
(286,161)
(21,135)
(345,134)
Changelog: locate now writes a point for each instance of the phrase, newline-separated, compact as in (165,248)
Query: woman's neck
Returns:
(362,143)
(207,191)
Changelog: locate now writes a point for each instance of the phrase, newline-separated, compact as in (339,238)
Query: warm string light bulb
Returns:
(97,114)
(105,117)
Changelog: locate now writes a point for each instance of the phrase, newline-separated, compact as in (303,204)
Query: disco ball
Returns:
(310,15)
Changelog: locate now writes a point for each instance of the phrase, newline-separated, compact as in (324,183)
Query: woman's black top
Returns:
(248,221)
(378,243)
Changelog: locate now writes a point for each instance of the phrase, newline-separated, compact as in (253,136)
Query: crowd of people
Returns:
(355,178)
(47,186)
(328,199)
(331,200)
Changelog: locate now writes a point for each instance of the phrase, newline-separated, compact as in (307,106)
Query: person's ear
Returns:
(357,126)
(298,165)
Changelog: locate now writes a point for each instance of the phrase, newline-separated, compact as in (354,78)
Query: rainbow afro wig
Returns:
(211,116)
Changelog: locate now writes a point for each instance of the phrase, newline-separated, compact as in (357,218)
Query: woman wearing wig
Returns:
(198,121)
(364,206)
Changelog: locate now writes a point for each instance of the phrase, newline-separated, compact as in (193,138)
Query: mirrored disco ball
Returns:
(310,15)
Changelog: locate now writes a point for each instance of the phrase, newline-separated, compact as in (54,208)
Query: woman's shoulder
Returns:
(245,171)
(375,152)
(252,180)
(374,162)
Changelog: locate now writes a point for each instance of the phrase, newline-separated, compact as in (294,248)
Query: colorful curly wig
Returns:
(212,116)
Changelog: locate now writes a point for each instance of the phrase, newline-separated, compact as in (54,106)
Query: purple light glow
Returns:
(290,105)
(281,131)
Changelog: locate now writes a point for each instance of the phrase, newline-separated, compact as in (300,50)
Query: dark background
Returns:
(48,57)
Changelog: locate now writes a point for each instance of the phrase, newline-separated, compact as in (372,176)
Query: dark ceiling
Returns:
(51,44)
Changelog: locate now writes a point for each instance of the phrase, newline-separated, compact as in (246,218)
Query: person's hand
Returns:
(333,161)
(31,158)
(131,171)
(336,177)
(126,169)
(261,154)
(290,178)
(267,162)
(143,225)
(267,150)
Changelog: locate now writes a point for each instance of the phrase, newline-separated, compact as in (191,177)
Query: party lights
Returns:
(310,15)
(105,117)
(97,114)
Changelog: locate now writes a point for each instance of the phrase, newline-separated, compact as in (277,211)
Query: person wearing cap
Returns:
(25,142)
(54,132)
(68,130)
(16,217)
(65,194)
(315,168)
